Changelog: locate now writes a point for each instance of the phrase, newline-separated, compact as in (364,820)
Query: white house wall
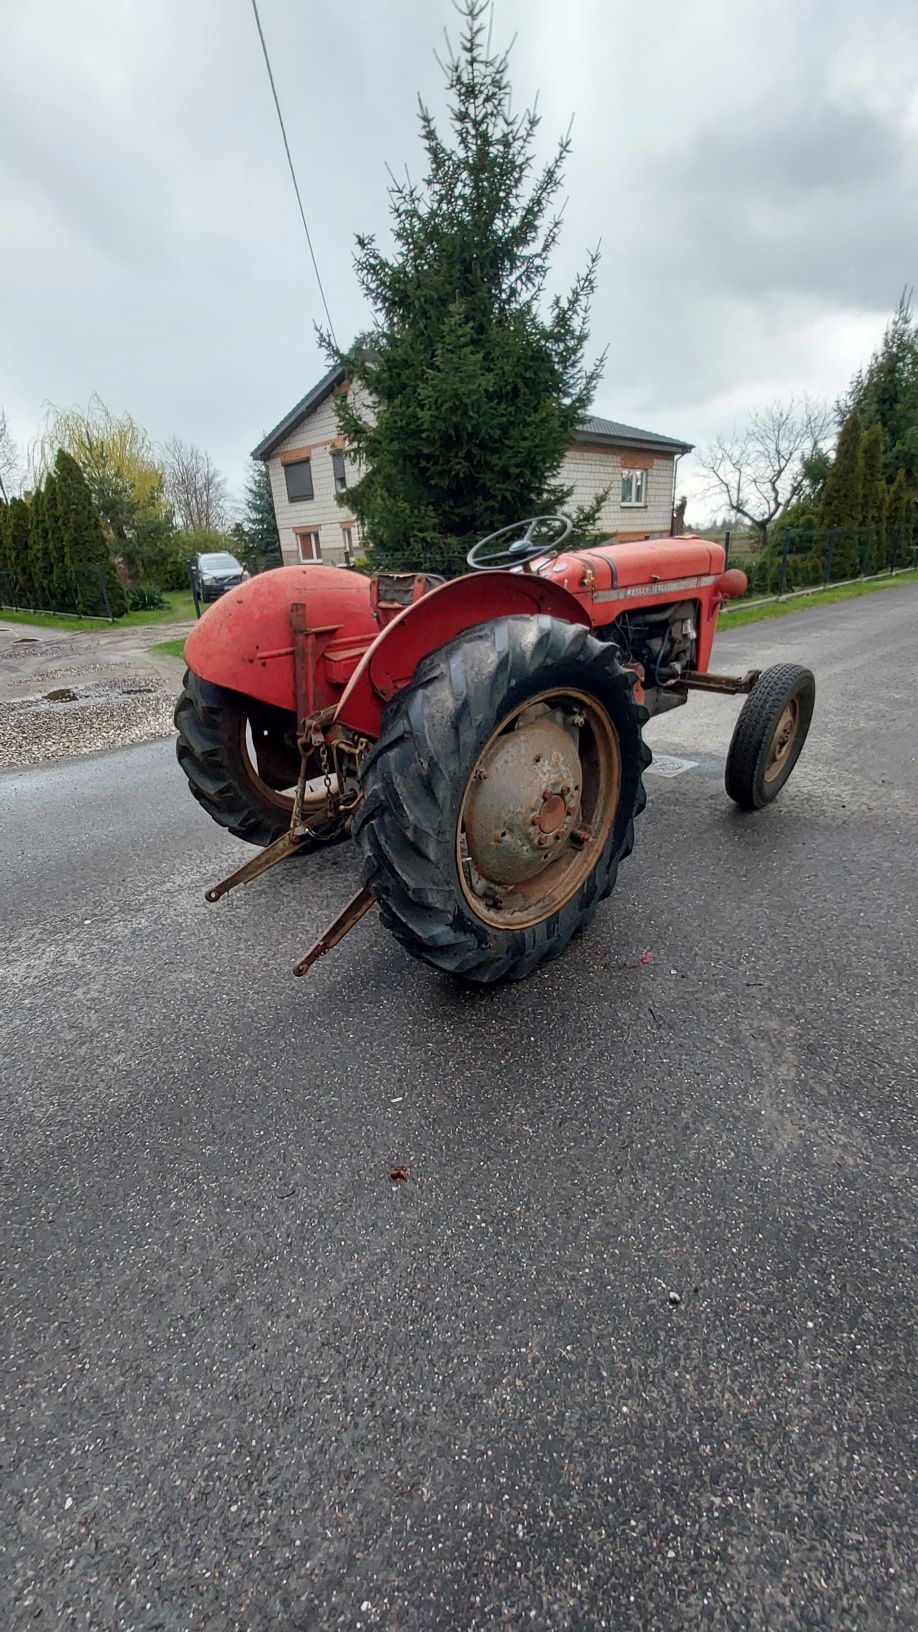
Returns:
(587,468)
(316,437)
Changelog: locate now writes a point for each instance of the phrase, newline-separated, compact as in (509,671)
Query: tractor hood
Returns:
(645,562)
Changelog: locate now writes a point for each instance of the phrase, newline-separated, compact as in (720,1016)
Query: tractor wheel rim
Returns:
(538,807)
(783,740)
(249,734)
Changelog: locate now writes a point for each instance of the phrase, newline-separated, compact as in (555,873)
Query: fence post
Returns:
(194,591)
(785,550)
(105,600)
(870,539)
(77,595)
(728,540)
(833,534)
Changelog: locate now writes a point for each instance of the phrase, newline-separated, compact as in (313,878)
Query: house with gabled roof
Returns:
(309,466)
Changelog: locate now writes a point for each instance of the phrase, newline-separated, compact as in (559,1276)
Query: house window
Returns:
(339,470)
(634,487)
(309,546)
(347,539)
(298,477)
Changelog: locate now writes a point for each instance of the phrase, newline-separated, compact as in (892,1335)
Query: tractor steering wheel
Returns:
(526,546)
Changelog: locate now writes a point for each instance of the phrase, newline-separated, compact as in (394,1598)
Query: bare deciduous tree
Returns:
(9,459)
(196,490)
(761,469)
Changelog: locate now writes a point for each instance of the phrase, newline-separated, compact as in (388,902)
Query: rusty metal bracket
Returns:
(297,834)
(307,649)
(269,857)
(350,915)
(730,685)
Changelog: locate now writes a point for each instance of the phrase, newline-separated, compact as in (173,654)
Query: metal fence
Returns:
(815,557)
(82,593)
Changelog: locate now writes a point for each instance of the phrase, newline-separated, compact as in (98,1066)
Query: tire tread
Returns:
(429,733)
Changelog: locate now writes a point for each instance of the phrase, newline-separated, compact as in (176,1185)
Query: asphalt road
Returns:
(251,1383)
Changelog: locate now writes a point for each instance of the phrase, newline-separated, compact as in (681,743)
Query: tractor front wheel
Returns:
(241,760)
(501,796)
(769,735)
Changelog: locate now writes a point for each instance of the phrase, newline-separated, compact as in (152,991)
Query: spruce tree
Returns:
(874,499)
(478,380)
(18,552)
(842,500)
(886,392)
(61,578)
(262,538)
(82,539)
(34,552)
(900,521)
(41,544)
(6,585)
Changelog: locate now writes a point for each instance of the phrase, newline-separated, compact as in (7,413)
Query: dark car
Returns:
(216,572)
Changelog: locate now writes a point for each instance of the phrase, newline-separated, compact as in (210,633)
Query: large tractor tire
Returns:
(241,760)
(501,796)
(769,735)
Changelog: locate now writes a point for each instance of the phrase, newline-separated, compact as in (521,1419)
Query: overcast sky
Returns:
(750,166)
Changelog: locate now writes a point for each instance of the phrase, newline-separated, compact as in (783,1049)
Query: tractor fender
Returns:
(389,664)
(245,642)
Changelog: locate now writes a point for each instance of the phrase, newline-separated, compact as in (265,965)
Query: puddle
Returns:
(92,692)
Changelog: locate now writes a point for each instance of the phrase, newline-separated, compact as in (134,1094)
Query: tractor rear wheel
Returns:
(501,796)
(769,735)
(241,760)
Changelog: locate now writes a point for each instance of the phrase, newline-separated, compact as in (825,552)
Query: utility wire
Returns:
(296,187)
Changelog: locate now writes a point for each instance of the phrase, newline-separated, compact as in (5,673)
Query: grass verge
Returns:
(172,648)
(179,608)
(730,619)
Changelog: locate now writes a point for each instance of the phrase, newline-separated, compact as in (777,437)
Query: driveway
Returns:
(632,1347)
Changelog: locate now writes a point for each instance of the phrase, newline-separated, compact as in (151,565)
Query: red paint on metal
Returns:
(245,641)
(645,561)
(733,582)
(430,623)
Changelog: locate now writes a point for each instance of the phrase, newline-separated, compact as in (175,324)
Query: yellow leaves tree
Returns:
(121,465)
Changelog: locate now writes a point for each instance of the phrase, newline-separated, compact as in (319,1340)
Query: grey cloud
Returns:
(797,146)
(801,196)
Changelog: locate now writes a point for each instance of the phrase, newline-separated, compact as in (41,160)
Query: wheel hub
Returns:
(783,740)
(525,801)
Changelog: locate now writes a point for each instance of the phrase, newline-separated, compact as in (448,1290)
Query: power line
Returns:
(296,186)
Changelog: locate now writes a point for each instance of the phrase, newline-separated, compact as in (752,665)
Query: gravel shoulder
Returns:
(63,694)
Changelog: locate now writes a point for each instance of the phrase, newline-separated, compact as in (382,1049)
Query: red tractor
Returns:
(480,739)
